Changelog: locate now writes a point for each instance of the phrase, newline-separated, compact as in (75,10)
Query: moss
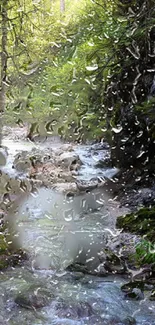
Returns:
(8,257)
(127,287)
(11,259)
(142,222)
(3,262)
(145,252)
(3,244)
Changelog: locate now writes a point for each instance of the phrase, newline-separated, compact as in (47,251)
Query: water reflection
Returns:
(57,227)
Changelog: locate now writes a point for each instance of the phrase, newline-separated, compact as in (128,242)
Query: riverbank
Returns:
(72,170)
(69,229)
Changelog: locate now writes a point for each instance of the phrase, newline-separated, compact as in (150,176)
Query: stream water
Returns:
(58,230)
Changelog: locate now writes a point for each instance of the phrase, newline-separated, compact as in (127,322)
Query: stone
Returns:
(67,188)
(100,146)
(86,185)
(74,310)
(12,259)
(128,287)
(106,162)
(137,198)
(108,263)
(101,271)
(77,267)
(141,222)
(21,162)
(124,246)
(34,297)
(129,321)
(77,276)
(111,262)
(135,293)
(67,159)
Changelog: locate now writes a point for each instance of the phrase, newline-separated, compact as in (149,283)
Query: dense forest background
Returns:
(83,69)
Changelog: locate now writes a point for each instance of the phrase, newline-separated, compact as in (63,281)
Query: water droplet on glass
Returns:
(68,215)
(23,186)
(140,134)
(141,154)
(104,129)
(110,108)
(90,43)
(92,68)
(83,203)
(118,129)
(87,80)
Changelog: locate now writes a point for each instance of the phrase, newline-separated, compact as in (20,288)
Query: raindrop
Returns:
(80,251)
(87,80)
(106,35)
(90,259)
(138,179)
(92,68)
(23,186)
(48,216)
(69,40)
(124,140)
(90,43)
(118,129)
(140,134)
(141,154)
(20,122)
(137,122)
(55,94)
(49,128)
(152,248)
(146,161)
(6,198)
(8,187)
(83,203)
(134,52)
(68,215)
(61,273)
(34,192)
(104,129)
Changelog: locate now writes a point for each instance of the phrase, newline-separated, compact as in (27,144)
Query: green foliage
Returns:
(66,81)
(88,61)
(3,244)
(142,222)
(145,252)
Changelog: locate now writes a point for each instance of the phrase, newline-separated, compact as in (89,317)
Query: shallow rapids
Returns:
(57,230)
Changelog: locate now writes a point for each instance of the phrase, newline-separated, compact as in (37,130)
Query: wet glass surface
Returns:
(77,181)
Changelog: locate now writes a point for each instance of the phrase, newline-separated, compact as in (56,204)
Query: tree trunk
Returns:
(3,9)
(62,6)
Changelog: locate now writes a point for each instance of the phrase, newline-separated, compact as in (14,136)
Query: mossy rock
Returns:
(34,297)
(3,244)
(8,258)
(142,222)
(11,259)
(129,321)
(135,293)
(127,287)
(3,262)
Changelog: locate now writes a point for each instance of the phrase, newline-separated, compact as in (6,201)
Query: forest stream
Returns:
(56,230)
